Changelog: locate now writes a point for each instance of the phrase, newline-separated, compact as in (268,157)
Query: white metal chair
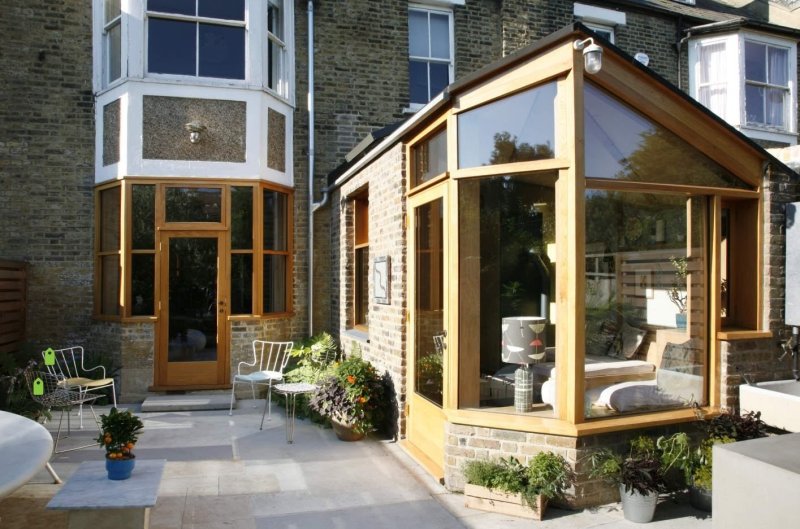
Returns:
(53,395)
(72,373)
(266,369)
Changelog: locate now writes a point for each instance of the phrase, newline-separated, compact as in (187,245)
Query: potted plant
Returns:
(352,398)
(508,487)
(639,475)
(119,431)
(677,293)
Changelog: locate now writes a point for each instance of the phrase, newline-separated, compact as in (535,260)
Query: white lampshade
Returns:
(523,340)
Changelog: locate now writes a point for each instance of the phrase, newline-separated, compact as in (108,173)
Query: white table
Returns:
(25,448)
(291,391)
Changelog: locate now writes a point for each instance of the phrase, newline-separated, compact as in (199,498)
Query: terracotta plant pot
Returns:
(345,432)
(119,469)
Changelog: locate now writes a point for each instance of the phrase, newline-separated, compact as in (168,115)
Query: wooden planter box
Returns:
(484,499)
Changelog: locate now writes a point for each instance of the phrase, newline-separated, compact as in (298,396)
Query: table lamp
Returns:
(523,344)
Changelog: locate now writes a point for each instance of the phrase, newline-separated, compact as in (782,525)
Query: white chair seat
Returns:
(260,376)
(85,382)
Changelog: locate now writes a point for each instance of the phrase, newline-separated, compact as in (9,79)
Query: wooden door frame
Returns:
(161,347)
(420,410)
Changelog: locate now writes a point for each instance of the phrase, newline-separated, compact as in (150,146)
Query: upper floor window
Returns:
(201,38)
(767,95)
(749,80)
(430,53)
(276,48)
(601,20)
(112,40)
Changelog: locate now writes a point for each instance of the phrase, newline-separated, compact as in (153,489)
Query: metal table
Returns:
(291,391)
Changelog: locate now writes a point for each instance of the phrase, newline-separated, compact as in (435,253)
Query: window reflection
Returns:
(507,279)
(514,129)
(624,145)
(645,312)
(194,204)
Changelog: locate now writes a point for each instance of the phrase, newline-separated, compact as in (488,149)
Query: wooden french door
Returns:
(191,341)
(427,351)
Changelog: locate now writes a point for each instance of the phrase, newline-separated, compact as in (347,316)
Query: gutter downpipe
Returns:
(312,206)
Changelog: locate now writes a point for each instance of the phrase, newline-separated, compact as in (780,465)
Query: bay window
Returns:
(766,85)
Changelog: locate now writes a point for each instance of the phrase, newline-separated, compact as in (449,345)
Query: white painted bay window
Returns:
(749,80)
(112,41)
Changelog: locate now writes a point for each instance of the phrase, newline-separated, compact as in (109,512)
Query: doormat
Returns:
(187,402)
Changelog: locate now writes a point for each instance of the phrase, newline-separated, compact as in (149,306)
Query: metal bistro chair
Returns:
(72,373)
(269,361)
(55,396)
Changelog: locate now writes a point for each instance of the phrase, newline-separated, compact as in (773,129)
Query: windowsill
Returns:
(733,334)
(769,134)
(359,335)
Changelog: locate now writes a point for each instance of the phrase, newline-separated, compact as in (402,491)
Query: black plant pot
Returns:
(700,498)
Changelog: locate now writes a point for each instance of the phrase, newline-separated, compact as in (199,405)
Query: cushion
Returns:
(681,357)
(601,339)
(632,338)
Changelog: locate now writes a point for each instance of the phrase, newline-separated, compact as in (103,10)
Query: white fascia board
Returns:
(599,15)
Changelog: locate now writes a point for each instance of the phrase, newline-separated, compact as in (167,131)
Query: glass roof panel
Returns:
(621,144)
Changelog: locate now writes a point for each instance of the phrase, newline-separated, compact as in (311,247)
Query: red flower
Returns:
(351,379)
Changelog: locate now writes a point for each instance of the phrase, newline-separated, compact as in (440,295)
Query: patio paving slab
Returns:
(223,472)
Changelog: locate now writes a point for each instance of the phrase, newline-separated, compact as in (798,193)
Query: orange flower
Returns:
(362,400)
(351,379)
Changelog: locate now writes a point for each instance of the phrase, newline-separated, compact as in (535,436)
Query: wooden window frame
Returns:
(360,250)
(100,254)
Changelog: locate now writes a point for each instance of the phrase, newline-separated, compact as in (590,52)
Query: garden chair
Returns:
(72,373)
(53,395)
(266,369)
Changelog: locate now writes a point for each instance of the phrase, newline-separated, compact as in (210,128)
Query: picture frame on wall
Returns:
(381,279)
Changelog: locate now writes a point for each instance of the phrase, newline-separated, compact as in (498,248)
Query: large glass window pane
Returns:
(275,216)
(418,81)
(179,7)
(114,51)
(361,285)
(624,145)
(242,218)
(142,284)
(221,51)
(418,33)
(194,204)
(755,65)
(227,10)
(778,61)
(274,283)
(242,283)
(171,47)
(507,238)
(111,9)
(645,302)
(429,296)
(775,107)
(109,219)
(440,78)
(109,285)
(514,129)
(754,104)
(144,217)
(430,158)
(440,36)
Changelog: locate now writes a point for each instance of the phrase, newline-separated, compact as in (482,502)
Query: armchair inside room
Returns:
(70,368)
(48,390)
(266,369)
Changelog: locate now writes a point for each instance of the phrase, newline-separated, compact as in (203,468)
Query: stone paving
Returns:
(222,472)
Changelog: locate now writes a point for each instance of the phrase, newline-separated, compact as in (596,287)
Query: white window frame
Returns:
(196,19)
(108,26)
(438,8)
(734,63)
(791,50)
(599,18)
(279,68)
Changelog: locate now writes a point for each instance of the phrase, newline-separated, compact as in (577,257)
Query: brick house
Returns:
(155,162)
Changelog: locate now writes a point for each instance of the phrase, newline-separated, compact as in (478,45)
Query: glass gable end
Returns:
(621,144)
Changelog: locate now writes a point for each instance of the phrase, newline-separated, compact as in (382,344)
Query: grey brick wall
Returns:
(47,162)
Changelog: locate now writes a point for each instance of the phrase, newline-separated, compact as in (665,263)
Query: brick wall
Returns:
(385,347)
(47,162)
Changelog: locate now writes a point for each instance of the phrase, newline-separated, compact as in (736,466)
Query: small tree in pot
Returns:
(639,475)
(119,431)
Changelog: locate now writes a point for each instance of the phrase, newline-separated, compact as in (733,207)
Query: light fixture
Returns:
(592,55)
(523,343)
(195,128)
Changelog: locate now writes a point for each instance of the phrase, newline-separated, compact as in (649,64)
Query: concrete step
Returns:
(191,402)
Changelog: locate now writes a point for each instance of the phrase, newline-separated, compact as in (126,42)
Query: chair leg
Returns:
(253,390)
(113,394)
(233,397)
(56,479)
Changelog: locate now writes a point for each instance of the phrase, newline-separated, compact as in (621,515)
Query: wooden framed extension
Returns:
(668,224)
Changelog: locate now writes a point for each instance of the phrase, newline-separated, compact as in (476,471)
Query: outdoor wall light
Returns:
(195,128)
(592,55)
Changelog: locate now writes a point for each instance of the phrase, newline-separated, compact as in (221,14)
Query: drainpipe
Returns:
(312,206)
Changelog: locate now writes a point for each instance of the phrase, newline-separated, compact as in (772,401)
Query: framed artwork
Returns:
(380,279)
